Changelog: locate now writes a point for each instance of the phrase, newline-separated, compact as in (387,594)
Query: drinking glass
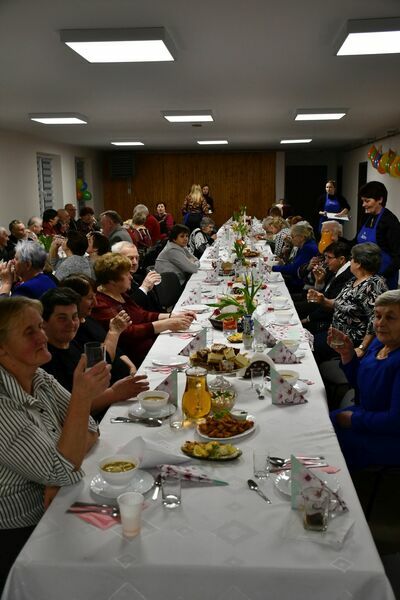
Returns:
(154,271)
(95,352)
(316,508)
(171,491)
(130,508)
(260,464)
(258,380)
(336,338)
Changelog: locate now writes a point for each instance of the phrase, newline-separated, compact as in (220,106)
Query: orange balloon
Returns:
(79,195)
(394,167)
(390,159)
(372,152)
(382,162)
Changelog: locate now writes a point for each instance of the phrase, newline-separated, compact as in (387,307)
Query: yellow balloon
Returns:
(394,168)
(79,183)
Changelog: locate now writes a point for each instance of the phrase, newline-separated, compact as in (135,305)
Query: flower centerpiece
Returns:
(245,306)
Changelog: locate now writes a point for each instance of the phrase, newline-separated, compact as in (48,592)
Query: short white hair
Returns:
(333,225)
(119,247)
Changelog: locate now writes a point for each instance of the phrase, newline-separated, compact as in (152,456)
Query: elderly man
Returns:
(143,294)
(34,228)
(111,224)
(71,210)
(17,232)
(62,225)
(3,243)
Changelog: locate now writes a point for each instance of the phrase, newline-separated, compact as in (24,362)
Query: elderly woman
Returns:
(165,219)
(45,431)
(202,237)
(353,307)
(24,276)
(114,280)
(176,257)
(369,432)
(139,233)
(74,246)
(194,207)
(278,229)
(302,237)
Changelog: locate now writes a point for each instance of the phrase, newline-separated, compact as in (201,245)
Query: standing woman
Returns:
(45,431)
(331,202)
(381,227)
(207,198)
(194,208)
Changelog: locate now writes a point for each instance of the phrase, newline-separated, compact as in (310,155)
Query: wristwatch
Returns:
(362,347)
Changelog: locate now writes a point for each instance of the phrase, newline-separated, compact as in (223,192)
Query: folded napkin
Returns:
(152,455)
(303,477)
(189,473)
(262,335)
(282,392)
(199,341)
(283,355)
(170,385)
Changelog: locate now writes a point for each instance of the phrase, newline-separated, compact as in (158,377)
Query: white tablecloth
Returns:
(223,543)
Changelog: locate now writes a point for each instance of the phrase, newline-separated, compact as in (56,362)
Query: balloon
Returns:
(83,186)
(79,183)
(390,159)
(86,195)
(372,152)
(79,195)
(394,167)
(382,162)
(376,160)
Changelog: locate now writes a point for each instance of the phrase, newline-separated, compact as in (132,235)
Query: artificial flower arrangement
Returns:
(245,306)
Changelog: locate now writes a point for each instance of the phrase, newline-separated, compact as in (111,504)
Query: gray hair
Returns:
(141,208)
(303,228)
(34,220)
(118,247)
(368,255)
(388,298)
(139,217)
(33,252)
(205,222)
(333,225)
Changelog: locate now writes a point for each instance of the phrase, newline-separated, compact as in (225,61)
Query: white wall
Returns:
(19,197)
(351,162)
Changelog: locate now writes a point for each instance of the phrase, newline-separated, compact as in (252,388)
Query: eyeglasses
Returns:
(329,257)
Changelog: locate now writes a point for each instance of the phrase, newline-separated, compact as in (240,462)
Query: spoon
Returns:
(253,486)
(157,484)
(148,421)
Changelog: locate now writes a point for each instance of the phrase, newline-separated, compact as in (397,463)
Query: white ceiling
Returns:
(252,62)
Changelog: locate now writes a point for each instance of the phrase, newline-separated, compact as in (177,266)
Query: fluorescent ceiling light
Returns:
(184,116)
(59,118)
(303,141)
(212,142)
(127,143)
(319,115)
(147,44)
(370,36)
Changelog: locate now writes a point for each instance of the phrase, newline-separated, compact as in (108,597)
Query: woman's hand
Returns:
(179,322)
(120,322)
(185,313)
(130,387)
(7,276)
(88,384)
(50,491)
(343,419)
(340,342)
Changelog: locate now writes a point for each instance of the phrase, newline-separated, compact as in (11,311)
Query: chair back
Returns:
(169,290)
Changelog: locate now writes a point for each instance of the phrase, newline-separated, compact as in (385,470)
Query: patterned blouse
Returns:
(354,307)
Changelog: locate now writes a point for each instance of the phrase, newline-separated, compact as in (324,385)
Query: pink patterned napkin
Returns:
(189,473)
(262,335)
(102,521)
(170,385)
(303,478)
(199,341)
(282,355)
(282,392)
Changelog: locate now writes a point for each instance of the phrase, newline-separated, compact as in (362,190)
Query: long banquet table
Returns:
(222,543)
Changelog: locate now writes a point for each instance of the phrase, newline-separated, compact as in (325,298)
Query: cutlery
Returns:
(148,421)
(253,486)
(111,511)
(277,461)
(157,484)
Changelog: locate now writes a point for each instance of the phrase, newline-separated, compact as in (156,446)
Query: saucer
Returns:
(141,482)
(165,411)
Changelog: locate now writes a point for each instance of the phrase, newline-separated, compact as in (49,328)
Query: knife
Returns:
(149,421)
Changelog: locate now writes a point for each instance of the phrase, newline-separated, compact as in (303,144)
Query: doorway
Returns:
(303,186)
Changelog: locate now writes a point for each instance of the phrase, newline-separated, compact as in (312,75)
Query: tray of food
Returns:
(211,450)
(226,427)
(219,359)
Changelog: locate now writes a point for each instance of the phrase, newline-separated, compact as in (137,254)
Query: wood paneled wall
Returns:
(235,179)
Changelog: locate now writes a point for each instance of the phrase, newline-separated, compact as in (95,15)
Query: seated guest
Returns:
(151,223)
(140,234)
(49,221)
(24,276)
(278,230)
(202,237)
(34,229)
(90,330)
(71,210)
(61,322)
(62,225)
(142,293)
(74,246)
(17,233)
(45,431)
(165,220)
(353,307)
(4,255)
(330,281)
(114,280)
(111,225)
(369,433)
(87,222)
(302,236)
(98,245)
(176,257)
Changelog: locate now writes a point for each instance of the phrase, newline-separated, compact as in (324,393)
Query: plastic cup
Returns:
(95,352)
(130,508)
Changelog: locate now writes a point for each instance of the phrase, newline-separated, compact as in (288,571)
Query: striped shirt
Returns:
(30,427)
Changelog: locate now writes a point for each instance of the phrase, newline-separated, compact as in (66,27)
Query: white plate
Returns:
(283,481)
(287,324)
(233,437)
(170,361)
(138,411)
(197,308)
(142,482)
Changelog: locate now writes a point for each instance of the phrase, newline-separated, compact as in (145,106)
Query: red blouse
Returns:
(138,338)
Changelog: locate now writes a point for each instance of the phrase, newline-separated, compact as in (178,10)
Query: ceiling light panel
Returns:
(127,143)
(370,36)
(212,142)
(59,118)
(193,116)
(299,141)
(120,45)
(319,115)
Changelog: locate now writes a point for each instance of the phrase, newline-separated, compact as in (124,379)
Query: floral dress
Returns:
(354,307)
